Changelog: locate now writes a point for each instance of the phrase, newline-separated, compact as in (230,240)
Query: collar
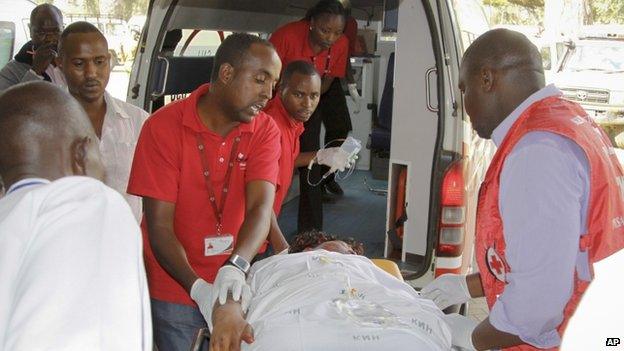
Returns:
(501,131)
(283,114)
(25,183)
(190,117)
(113,108)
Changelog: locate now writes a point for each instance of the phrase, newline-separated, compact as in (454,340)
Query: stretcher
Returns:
(388,266)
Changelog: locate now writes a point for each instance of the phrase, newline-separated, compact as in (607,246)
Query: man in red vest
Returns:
(549,207)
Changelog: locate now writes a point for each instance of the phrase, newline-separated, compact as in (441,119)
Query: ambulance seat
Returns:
(380,134)
(180,75)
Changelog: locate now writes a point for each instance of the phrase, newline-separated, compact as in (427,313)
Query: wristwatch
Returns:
(239,262)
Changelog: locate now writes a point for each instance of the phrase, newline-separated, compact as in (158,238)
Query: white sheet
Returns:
(294,307)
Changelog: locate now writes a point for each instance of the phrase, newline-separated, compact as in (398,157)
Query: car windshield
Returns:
(597,57)
(7,36)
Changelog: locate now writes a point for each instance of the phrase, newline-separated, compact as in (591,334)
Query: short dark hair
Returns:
(301,67)
(314,238)
(233,50)
(330,7)
(42,7)
(79,27)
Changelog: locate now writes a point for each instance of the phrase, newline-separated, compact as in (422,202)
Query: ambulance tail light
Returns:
(452,218)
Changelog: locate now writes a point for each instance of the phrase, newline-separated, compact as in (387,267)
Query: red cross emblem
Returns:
(495,264)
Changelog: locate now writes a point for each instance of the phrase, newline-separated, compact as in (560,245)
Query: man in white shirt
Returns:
(71,262)
(328,299)
(36,60)
(85,62)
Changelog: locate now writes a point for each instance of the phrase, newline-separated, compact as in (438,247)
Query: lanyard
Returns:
(23,185)
(327,61)
(218,210)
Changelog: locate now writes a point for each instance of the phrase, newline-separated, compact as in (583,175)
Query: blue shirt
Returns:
(544,191)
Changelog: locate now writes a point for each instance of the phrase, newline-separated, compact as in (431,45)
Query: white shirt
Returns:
(56,76)
(321,300)
(120,132)
(599,315)
(71,268)
(544,191)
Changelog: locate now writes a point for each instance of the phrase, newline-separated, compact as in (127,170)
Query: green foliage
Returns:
(606,11)
(92,7)
(530,4)
(120,8)
(525,12)
(127,8)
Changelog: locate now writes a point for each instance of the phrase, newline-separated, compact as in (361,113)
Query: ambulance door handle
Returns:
(430,106)
(156,95)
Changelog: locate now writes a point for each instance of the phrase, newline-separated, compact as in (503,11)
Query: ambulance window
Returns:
(7,38)
(200,42)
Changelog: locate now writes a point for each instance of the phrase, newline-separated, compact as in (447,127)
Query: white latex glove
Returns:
(461,330)
(355,97)
(231,279)
(201,293)
(334,157)
(447,290)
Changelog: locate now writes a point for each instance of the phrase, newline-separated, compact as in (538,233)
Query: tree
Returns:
(605,11)
(526,12)
(92,7)
(127,8)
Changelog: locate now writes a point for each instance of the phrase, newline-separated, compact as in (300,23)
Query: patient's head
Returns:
(334,246)
(316,240)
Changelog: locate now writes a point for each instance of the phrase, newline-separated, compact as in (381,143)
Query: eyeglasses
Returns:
(46,33)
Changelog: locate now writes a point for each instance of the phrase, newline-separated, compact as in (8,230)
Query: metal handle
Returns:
(430,107)
(201,335)
(156,95)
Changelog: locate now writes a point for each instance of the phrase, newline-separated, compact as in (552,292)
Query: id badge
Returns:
(218,245)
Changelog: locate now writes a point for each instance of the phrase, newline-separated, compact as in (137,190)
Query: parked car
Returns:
(592,74)
(14,31)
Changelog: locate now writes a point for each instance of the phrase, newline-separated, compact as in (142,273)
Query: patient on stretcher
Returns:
(327,298)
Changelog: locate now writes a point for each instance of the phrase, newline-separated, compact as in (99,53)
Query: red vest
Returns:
(605,217)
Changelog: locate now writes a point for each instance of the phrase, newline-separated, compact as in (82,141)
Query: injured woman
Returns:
(328,298)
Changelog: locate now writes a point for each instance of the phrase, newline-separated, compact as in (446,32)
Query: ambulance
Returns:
(413,119)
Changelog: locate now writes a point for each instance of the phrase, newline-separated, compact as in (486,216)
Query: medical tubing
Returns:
(328,173)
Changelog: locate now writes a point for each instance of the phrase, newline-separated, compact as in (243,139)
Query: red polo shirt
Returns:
(290,130)
(167,166)
(292,44)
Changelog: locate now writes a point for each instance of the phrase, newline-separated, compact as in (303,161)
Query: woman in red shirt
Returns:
(319,39)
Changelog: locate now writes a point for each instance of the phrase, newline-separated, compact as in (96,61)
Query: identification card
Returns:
(218,245)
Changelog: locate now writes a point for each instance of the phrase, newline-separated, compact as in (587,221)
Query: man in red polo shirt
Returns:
(296,100)
(318,39)
(206,167)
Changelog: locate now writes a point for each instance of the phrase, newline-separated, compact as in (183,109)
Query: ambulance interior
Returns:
(410,198)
